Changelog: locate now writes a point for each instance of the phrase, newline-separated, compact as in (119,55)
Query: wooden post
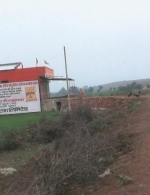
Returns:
(69,105)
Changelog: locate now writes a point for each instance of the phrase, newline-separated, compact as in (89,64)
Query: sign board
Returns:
(19,97)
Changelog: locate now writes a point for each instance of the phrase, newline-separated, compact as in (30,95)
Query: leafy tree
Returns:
(133,85)
(62,92)
(91,89)
(99,88)
(148,85)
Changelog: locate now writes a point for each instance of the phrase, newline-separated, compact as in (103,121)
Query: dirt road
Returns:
(135,164)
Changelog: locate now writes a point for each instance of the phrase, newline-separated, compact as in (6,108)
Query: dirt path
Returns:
(135,164)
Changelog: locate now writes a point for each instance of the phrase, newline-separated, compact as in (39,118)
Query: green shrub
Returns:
(9,141)
(133,105)
(44,131)
(124,142)
(98,125)
(77,157)
(47,130)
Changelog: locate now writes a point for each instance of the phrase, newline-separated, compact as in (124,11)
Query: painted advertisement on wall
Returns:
(19,97)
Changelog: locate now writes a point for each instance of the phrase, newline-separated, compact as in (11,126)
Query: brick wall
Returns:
(100,102)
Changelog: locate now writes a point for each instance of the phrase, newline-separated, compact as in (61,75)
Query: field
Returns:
(17,123)
(21,121)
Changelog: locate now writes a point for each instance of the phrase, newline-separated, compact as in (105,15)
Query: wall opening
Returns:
(58,104)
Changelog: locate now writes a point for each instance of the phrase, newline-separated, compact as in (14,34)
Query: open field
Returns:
(20,121)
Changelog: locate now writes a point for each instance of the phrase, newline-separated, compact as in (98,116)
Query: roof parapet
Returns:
(15,64)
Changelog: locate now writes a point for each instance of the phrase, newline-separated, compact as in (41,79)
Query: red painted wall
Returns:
(25,74)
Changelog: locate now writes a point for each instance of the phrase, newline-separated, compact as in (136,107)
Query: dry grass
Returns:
(79,153)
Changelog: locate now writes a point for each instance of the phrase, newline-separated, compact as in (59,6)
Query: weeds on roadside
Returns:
(75,158)
(133,105)
(9,140)
(79,153)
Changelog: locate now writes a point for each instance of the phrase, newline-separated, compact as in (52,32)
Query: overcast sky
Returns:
(105,40)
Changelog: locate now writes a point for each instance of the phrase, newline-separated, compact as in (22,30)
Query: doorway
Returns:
(58,104)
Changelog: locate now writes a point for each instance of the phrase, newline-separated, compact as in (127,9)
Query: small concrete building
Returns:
(25,90)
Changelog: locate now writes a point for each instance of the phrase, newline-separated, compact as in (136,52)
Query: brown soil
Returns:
(135,164)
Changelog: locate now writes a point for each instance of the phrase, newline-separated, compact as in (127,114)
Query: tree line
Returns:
(133,86)
(73,90)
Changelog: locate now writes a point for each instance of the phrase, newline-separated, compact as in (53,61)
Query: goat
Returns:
(130,93)
(137,94)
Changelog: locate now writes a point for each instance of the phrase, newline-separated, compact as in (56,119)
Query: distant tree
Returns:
(138,86)
(74,90)
(99,88)
(133,84)
(62,92)
(90,89)
(121,88)
(85,89)
(148,85)
(129,87)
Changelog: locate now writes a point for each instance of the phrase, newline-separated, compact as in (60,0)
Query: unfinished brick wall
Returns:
(99,102)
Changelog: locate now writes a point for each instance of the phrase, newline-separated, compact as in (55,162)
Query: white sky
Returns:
(106,40)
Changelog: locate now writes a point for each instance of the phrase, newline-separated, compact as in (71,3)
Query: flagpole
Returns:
(36,62)
(69,105)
